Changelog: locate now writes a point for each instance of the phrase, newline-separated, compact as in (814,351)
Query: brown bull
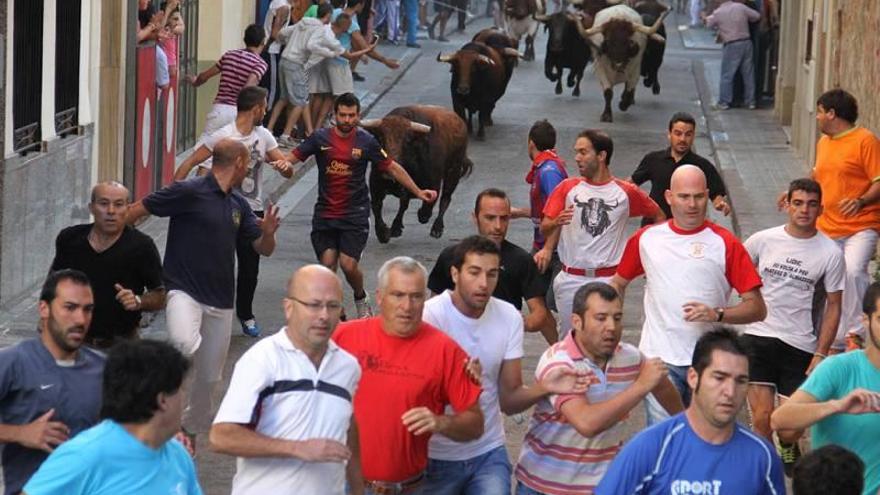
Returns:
(503,44)
(430,142)
(478,81)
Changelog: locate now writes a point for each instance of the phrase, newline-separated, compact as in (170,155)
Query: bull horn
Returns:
(513,52)
(656,37)
(585,33)
(653,29)
(485,59)
(422,128)
(541,17)
(370,123)
(445,58)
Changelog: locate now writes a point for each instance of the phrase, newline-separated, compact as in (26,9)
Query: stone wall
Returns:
(42,193)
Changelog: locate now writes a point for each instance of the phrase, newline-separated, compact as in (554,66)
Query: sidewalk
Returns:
(749,147)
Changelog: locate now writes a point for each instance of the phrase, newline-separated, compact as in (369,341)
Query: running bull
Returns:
(617,39)
(565,50)
(430,142)
(520,19)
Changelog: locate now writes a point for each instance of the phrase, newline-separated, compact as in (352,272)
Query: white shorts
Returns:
(220,115)
(564,286)
(319,81)
(340,78)
(203,332)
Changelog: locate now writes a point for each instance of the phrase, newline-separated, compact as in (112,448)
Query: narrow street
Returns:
(500,161)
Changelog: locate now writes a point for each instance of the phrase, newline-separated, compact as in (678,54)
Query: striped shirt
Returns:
(555,458)
(236,66)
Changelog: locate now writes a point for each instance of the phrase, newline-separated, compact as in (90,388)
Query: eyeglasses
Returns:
(330,306)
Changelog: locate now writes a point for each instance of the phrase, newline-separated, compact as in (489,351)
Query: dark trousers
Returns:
(248,269)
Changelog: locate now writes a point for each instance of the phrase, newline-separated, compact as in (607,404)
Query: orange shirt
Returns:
(398,374)
(846,166)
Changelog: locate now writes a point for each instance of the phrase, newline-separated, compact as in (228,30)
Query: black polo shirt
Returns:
(658,166)
(519,278)
(205,225)
(132,262)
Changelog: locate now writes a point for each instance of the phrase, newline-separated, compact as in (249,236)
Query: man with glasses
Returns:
(287,412)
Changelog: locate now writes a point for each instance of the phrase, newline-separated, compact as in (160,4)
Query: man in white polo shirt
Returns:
(690,265)
(287,414)
(794,260)
(587,216)
(489,330)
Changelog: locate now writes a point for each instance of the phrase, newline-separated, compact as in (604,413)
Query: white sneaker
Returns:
(364,310)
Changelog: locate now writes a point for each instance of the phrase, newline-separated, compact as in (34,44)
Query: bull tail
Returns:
(467,166)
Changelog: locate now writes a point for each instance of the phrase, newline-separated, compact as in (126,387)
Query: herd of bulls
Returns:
(623,43)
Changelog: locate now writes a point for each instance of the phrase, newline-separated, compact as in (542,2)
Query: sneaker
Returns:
(288,142)
(790,454)
(250,328)
(358,77)
(364,310)
(721,106)
(752,106)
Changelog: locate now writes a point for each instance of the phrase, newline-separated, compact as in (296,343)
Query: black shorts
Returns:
(350,242)
(773,362)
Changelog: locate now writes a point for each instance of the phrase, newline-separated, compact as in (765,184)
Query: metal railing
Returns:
(188,63)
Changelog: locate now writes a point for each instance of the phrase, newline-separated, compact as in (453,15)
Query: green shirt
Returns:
(833,379)
(312,11)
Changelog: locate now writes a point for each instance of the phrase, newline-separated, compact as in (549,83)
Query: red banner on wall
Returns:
(145,121)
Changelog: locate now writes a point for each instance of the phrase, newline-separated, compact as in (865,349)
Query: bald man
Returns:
(302,385)
(122,264)
(690,265)
(208,218)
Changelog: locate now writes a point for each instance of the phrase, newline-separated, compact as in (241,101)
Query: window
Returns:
(808,54)
(27,75)
(67,44)
(188,60)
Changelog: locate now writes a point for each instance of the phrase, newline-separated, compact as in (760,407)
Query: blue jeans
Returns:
(524,490)
(486,474)
(411,10)
(737,55)
(678,376)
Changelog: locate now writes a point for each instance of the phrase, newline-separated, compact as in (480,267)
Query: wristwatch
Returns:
(720,312)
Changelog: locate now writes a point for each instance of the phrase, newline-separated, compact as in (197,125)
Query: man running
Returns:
(122,263)
(702,450)
(840,400)
(298,437)
(208,219)
(50,385)
(572,438)
(262,149)
(341,220)
(690,265)
(587,216)
(237,68)
(794,260)
(489,330)
(414,383)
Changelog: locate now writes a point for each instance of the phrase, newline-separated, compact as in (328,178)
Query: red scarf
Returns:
(542,157)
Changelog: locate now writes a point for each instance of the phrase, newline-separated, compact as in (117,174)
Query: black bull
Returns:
(430,142)
(566,49)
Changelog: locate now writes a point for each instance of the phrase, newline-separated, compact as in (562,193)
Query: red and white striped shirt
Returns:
(236,66)
(680,266)
(555,458)
(597,233)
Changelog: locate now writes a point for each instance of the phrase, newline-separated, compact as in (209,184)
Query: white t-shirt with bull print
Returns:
(596,236)
(258,142)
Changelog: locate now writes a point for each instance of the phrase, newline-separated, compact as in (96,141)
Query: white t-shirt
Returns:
(597,232)
(496,336)
(790,268)
(274,47)
(700,265)
(276,390)
(259,142)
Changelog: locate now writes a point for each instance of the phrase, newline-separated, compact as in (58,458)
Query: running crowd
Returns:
(412,400)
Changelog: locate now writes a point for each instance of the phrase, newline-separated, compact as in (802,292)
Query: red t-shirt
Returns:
(398,374)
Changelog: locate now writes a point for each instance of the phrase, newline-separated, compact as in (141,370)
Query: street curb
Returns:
(722,154)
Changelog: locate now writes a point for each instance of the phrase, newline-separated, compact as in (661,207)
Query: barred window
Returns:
(27,75)
(67,46)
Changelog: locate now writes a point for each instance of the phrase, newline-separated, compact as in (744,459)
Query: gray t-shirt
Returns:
(259,142)
(32,383)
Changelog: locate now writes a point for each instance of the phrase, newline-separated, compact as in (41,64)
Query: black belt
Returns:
(736,41)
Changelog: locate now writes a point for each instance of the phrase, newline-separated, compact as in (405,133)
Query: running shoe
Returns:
(250,328)
(790,453)
(364,310)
